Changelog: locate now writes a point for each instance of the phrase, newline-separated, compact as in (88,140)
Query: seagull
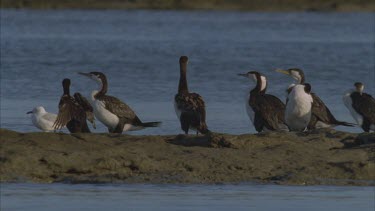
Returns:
(42,119)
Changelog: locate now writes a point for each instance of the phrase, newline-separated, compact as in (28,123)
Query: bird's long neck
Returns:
(260,87)
(103,88)
(66,89)
(301,79)
(183,86)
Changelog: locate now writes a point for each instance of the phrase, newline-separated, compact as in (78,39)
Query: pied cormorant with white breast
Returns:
(190,108)
(111,111)
(321,116)
(265,111)
(362,107)
(299,107)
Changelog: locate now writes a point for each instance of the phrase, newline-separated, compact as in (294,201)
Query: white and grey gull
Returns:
(42,119)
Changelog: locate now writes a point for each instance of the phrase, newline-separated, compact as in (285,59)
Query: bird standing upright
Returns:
(321,116)
(362,107)
(72,112)
(189,107)
(111,111)
(299,107)
(265,111)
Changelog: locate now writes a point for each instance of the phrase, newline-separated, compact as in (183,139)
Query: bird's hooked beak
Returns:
(29,112)
(242,74)
(283,71)
(85,74)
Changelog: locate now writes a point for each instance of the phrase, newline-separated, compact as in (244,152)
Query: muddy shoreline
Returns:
(325,157)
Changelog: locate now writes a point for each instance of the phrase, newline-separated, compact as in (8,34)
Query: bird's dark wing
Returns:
(84,103)
(193,105)
(200,106)
(118,108)
(68,109)
(81,100)
(365,105)
(190,102)
(321,111)
(269,110)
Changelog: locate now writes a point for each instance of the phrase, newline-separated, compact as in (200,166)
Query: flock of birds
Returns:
(303,110)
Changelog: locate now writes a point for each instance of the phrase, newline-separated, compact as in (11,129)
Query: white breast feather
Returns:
(349,104)
(177,110)
(264,82)
(103,115)
(298,108)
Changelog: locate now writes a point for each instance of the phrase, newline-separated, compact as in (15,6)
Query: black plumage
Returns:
(364,105)
(72,113)
(86,107)
(190,107)
(268,110)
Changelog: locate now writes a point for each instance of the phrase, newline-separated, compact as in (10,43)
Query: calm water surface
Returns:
(139,52)
(185,197)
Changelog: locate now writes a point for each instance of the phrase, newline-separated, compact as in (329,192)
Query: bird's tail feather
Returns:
(151,124)
(345,124)
(203,129)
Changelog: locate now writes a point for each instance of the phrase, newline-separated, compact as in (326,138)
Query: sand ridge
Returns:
(318,157)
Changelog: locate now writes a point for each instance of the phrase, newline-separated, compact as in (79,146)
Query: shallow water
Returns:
(139,51)
(185,197)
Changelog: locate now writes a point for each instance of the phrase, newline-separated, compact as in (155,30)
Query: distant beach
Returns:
(255,5)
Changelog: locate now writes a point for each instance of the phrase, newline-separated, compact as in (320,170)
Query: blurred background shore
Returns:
(246,5)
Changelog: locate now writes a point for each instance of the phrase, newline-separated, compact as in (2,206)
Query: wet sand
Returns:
(319,157)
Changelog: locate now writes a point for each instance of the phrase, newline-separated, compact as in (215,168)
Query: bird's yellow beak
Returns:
(283,71)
